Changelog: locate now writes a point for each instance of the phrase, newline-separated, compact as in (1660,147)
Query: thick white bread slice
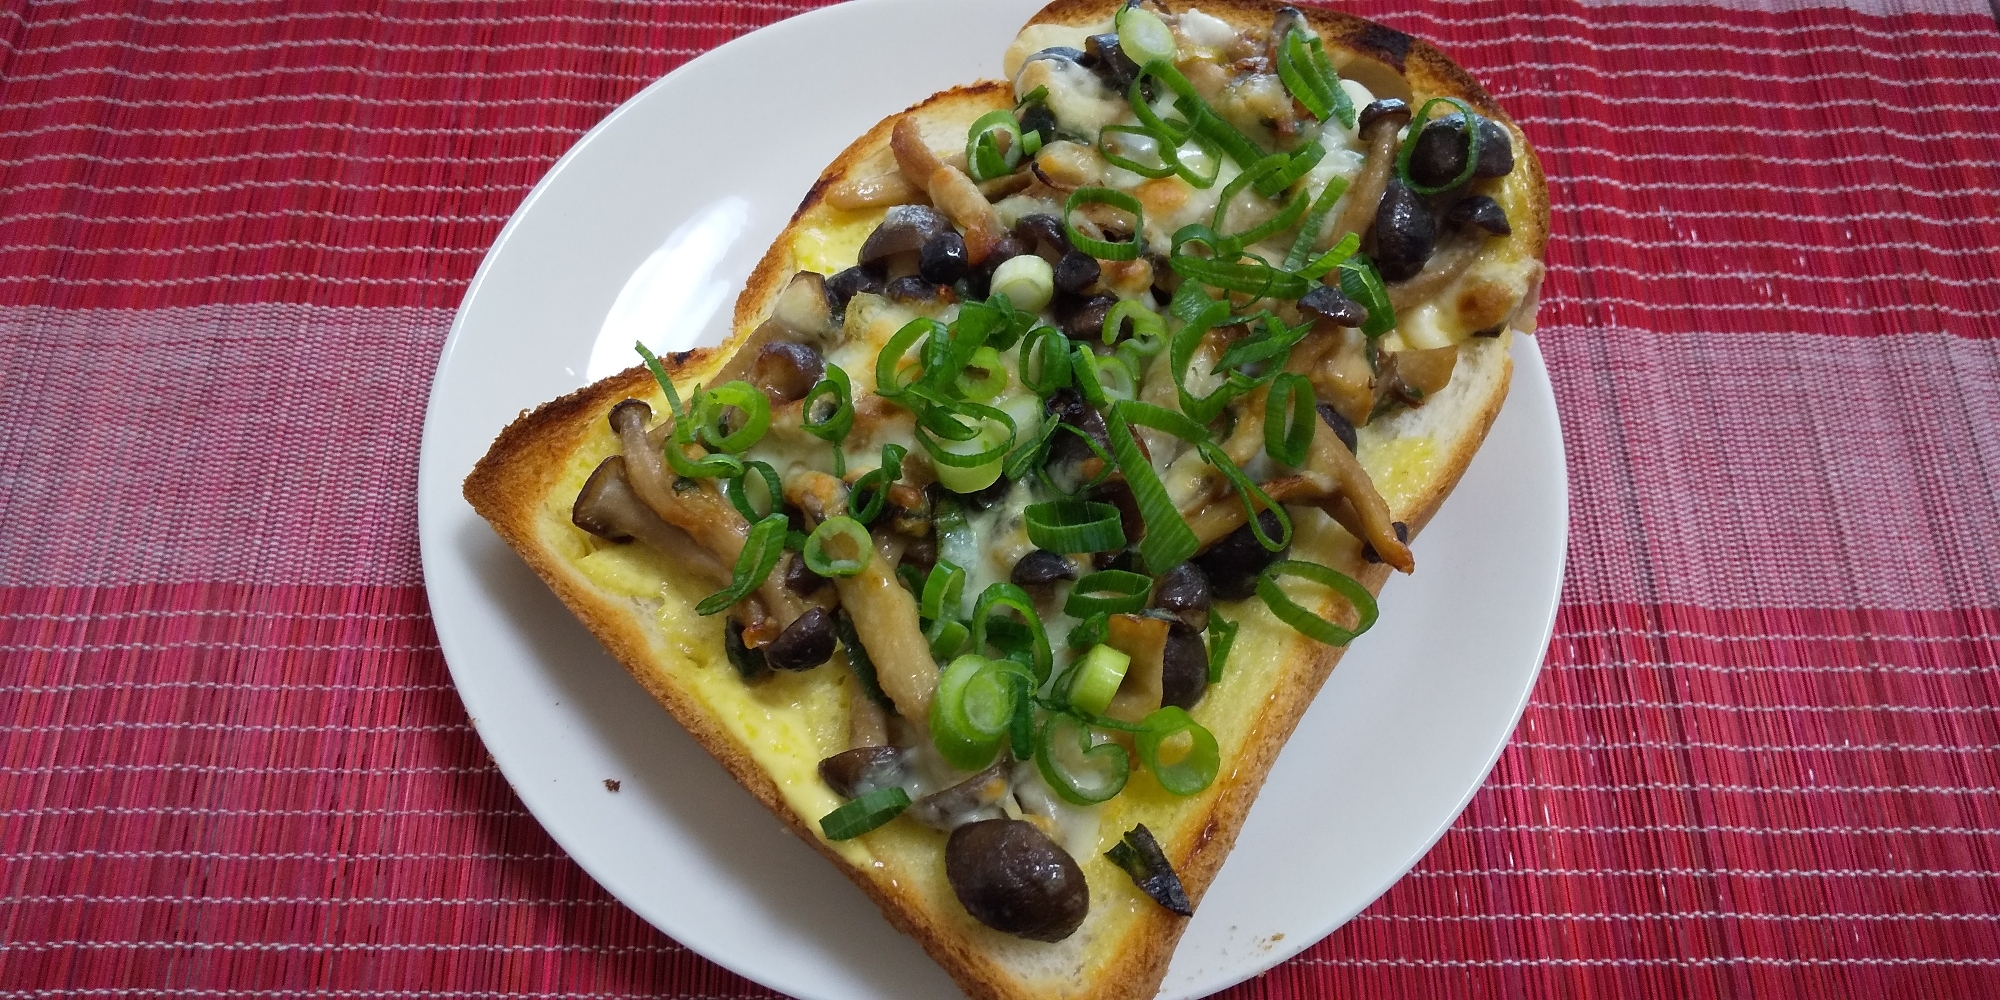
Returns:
(769,737)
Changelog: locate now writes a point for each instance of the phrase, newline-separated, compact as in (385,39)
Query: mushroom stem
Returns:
(873,191)
(698,510)
(913,156)
(1366,194)
(608,507)
(867,725)
(884,614)
(1445,267)
(955,193)
(1351,483)
(948,187)
(1214,522)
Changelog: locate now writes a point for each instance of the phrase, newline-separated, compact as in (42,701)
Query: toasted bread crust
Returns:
(511,485)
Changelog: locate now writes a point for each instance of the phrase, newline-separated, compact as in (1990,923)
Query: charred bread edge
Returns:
(511,482)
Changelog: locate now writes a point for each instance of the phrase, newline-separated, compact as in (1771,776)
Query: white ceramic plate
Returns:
(644,231)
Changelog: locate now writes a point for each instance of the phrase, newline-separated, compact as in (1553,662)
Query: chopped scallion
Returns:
(866,813)
(835,531)
(1096,679)
(1074,526)
(761,550)
(1102,249)
(1198,761)
(1308,623)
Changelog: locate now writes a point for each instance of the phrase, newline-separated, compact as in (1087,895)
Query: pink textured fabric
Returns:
(1763,760)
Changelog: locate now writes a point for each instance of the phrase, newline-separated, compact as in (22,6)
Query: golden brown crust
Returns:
(512,483)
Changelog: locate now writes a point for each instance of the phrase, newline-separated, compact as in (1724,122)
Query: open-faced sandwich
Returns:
(1065,436)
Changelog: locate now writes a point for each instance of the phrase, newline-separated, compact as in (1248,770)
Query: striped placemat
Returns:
(1763,760)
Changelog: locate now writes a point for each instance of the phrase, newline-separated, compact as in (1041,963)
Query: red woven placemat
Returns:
(1763,759)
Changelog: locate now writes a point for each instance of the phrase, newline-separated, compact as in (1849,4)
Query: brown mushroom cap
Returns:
(905,229)
(975,798)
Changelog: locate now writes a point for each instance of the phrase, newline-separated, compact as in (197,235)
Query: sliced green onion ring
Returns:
(747,399)
(826,564)
(1221,636)
(1198,314)
(943,591)
(1285,219)
(1007,595)
(1045,364)
(1196,768)
(1217,131)
(1091,631)
(760,554)
(1083,364)
(866,813)
(1074,526)
(1202,119)
(1343,104)
(1029,455)
(1149,331)
(1163,151)
(1104,249)
(1251,174)
(1116,378)
(1296,70)
(1254,498)
(1302,160)
(666,384)
(1291,396)
(1168,541)
(979,430)
(1026,282)
(990,387)
(1335,256)
(1108,591)
(1137,359)
(834,427)
(1187,173)
(1021,728)
(870,493)
(888,382)
(1302,245)
(1080,771)
(1306,622)
(1410,146)
(735,490)
(1143,36)
(1360,282)
(1073,490)
(1254,276)
(973,708)
(1096,678)
(983,156)
(720,465)
(1274,343)
(1172,130)
(946,637)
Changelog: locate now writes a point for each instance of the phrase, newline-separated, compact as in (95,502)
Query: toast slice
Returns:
(640,599)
